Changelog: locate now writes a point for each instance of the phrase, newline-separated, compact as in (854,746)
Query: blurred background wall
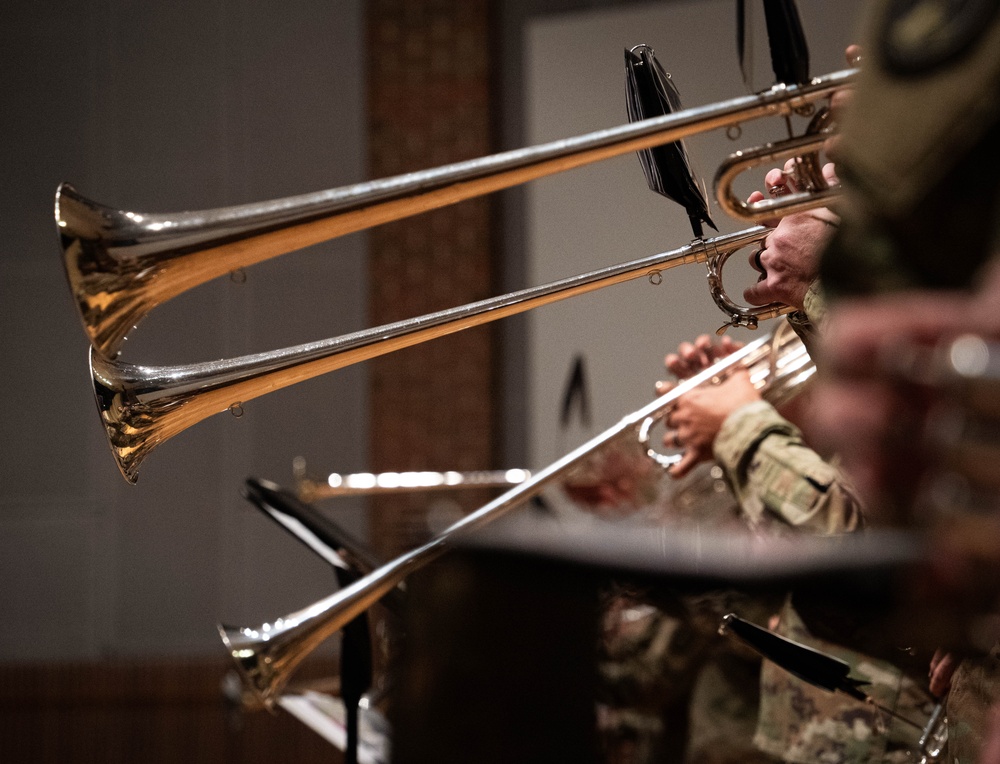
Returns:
(111,592)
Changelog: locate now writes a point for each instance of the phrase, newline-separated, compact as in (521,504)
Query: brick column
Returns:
(432,406)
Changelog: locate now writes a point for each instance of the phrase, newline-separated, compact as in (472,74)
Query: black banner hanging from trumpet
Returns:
(650,93)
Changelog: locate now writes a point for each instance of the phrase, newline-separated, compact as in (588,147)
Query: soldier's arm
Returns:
(772,470)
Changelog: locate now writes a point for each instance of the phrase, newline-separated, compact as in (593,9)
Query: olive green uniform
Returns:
(672,688)
(784,486)
(779,481)
(920,164)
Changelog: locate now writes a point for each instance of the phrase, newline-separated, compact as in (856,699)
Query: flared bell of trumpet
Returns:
(267,655)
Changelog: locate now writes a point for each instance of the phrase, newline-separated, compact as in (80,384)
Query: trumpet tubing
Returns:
(120,265)
(815,189)
(267,655)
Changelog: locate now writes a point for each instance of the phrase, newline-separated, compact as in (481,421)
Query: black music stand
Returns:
(499,664)
(350,559)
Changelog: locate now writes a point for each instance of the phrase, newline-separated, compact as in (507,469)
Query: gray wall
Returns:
(163,107)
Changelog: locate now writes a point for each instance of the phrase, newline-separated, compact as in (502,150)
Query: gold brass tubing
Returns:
(143,406)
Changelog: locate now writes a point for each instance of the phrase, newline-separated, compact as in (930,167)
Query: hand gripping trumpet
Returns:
(267,655)
(122,264)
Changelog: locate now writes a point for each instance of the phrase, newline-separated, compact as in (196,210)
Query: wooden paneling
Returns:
(141,713)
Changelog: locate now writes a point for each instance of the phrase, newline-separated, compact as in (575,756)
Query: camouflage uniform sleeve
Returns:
(815,304)
(807,323)
(773,472)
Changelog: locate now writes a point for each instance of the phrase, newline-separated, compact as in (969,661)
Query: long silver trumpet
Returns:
(143,406)
(268,654)
(120,264)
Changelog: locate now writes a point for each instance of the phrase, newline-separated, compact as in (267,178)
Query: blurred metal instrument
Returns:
(339,484)
(268,654)
(121,264)
(934,737)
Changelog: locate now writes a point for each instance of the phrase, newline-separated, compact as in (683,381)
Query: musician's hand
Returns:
(695,420)
(692,357)
(788,263)
(613,481)
(784,180)
(942,669)
(777,182)
(852,54)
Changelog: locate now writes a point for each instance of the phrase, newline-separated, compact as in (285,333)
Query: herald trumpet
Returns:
(144,406)
(122,264)
(339,484)
(267,655)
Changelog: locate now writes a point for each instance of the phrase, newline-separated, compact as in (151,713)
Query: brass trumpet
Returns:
(120,264)
(143,406)
(268,654)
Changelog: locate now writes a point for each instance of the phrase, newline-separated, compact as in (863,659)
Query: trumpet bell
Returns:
(110,294)
(267,655)
(253,663)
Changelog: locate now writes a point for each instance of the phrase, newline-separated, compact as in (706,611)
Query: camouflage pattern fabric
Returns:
(814,303)
(780,482)
(802,723)
(783,487)
(648,662)
(807,323)
(974,688)
(723,714)
(919,154)
(672,688)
